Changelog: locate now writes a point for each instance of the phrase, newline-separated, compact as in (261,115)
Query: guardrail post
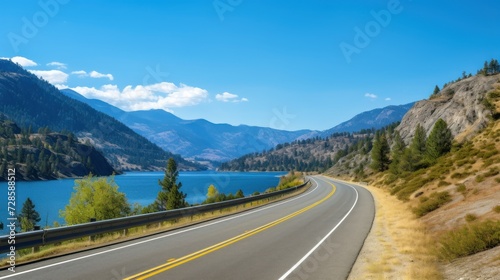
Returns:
(35,248)
(92,237)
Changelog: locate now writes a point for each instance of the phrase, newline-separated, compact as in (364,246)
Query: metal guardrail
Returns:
(54,235)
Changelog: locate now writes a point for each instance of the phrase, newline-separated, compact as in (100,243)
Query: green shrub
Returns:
(479,178)
(461,189)
(462,162)
(487,104)
(497,180)
(470,218)
(443,184)
(489,162)
(487,154)
(466,152)
(470,239)
(496,209)
(434,201)
(423,199)
(459,175)
(404,191)
(494,94)
(290,180)
(492,172)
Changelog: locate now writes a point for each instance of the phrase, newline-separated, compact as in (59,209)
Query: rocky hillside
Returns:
(462,105)
(47,155)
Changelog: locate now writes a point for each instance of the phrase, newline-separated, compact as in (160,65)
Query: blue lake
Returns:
(139,187)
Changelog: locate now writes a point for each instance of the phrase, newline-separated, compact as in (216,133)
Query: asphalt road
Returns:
(316,235)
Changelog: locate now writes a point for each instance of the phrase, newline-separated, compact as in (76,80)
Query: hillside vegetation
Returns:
(443,161)
(47,155)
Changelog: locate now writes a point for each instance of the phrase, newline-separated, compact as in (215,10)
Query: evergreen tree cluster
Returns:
(490,68)
(422,152)
(46,155)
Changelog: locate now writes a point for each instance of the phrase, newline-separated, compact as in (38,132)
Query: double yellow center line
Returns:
(176,262)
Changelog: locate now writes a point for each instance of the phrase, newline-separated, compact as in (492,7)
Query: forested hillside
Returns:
(30,101)
(314,154)
(46,155)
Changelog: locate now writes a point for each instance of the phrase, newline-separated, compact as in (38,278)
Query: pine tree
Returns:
(414,157)
(485,68)
(380,153)
(397,153)
(436,91)
(439,141)
(239,194)
(170,196)
(29,216)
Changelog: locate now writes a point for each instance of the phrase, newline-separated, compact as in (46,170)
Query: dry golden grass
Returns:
(397,246)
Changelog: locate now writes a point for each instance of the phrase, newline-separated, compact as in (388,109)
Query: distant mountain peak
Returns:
(376,118)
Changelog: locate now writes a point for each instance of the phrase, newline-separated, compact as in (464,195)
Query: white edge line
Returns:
(159,237)
(322,240)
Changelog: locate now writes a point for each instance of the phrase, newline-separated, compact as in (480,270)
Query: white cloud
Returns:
(23,61)
(388,99)
(61,86)
(92,74)
(95,74)
(370,95)
(55,77)
(229,97)
(156,96)
(58,65)
(80,73)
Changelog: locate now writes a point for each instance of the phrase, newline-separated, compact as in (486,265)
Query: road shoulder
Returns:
(397,246)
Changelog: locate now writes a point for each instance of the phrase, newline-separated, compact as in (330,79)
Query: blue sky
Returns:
(281,64)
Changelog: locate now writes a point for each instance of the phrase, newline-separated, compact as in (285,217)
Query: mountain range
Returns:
(32,102)
(202,140)
(376,118)
(143,140)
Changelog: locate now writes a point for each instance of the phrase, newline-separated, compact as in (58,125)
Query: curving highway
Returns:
(316,235)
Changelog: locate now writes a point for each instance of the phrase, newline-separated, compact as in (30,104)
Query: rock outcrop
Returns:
(460,104)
